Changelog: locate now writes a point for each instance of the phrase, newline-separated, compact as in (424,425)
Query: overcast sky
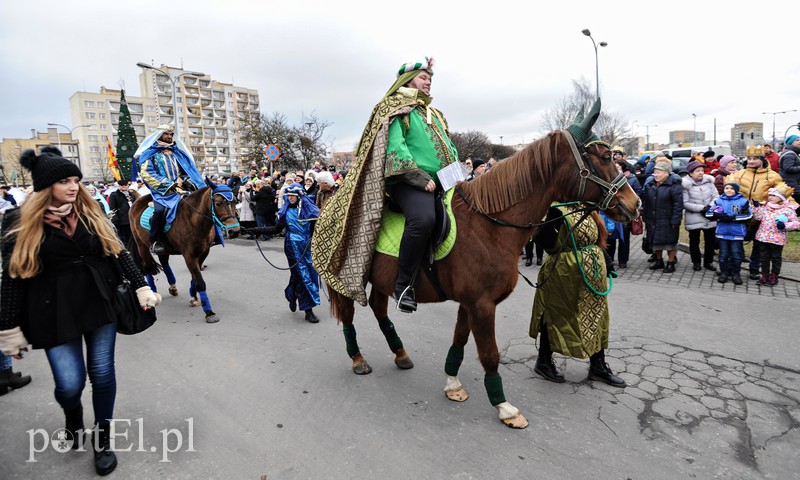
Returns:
(500,64)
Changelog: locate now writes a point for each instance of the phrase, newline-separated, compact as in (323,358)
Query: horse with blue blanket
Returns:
(201,219)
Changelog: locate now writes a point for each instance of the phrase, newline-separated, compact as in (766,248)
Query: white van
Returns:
(692,151)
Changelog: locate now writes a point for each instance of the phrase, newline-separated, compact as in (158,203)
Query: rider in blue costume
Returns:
(298,215)
(165,165)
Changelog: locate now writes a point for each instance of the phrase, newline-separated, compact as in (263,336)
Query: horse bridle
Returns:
(219,221)
(590,173)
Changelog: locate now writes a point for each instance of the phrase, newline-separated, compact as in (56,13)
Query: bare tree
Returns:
(300,145)
(472,144)
(611,127)
(13,170)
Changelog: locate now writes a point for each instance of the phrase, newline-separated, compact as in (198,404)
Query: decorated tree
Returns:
(126,139)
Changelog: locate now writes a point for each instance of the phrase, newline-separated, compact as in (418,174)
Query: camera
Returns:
(332,168)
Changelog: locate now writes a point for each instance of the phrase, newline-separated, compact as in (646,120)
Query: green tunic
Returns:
(576,318)
(418,149)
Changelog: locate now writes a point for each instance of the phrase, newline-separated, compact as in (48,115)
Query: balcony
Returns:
(241,105)
(218,95)
(113,106)
(205,83)
(191,91)
(136,108)
(253,98)
(242,96)
(137,118)
(195,131)
(219,104)
(205,103)
(209,131)
(166,99)
(208,113)
(205,93)
(189,81)
(165,110)
(164,90)
(163,79)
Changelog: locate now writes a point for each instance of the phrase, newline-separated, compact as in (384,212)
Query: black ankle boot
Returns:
(105,461)
(405,299)
(310,317)
(9,379)
(74,427)
(670,267)
(599,370)
(548,371)
(658,265)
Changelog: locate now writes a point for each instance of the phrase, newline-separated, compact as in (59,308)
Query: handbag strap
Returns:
(118,267)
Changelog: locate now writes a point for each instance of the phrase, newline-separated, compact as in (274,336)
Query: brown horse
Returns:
(191,235)
(496,214)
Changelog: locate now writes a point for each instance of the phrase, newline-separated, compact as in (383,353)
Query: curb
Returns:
(684,247)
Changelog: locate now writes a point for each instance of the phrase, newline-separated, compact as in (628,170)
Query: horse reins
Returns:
(219,221)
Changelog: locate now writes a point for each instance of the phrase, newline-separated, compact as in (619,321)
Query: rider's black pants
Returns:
(157,221)
(419,208)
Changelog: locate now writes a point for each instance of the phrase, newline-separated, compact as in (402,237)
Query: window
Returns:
(92,126)
(151,119)
(104,138)
(103,126)
(101,104)
(151,108)
(94,149)
(88,103)
(93,138)
(230,95)
(102,116)
(90,114)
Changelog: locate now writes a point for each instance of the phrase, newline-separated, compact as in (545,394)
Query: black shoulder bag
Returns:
(131,317)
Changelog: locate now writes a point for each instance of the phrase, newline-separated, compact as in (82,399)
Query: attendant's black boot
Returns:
(74,426)
(544,362)
(156,227)
(9,379)
(105,461)
(658,265)
(599,370)
(310,317)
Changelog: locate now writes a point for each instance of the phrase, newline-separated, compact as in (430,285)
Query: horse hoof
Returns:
(518,421)
(457,395)
(173,290)
(194,302)
(362,368)
(212,318)
(403,362)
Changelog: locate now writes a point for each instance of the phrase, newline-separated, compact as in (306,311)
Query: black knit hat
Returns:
(49,167)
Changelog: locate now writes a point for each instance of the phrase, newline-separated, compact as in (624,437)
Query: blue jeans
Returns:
(731,254)
(264,221)
(5,361)
(69,371)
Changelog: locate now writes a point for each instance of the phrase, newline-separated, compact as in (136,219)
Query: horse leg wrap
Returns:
(387,327)
(350,340)
(151,282)
(169,274)
(494,388)
(453,362)
(204,301)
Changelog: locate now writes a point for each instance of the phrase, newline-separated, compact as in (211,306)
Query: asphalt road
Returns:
(714,389)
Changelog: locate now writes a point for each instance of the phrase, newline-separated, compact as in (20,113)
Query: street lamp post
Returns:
(174,89)
(694,130)
(647,128)
(773,123)
(586,32)
(70,136)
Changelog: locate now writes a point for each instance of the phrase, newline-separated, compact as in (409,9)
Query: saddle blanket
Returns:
(144,220)
(393,224)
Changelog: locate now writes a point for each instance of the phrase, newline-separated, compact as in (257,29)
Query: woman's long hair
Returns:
(29,230)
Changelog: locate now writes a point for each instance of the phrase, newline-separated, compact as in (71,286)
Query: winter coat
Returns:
(768,230)
(663,209)
(737,212)
(696,198)
(246,213)
(790,166)
(120,202)
(71,296)
(635,185)
(265,202)
(754,183)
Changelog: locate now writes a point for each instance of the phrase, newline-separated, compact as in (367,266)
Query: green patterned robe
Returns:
(576,318)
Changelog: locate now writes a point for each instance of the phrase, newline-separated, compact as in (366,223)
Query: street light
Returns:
(174,89)
(773,123)
(647,128)
(70,136)
(586,32)
(694,130)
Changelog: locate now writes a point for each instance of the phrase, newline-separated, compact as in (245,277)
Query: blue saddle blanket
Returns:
(144,220)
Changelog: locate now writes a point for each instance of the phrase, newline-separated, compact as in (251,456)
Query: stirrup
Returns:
(405,301)
(158,248)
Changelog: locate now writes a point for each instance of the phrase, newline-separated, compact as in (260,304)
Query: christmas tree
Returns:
(126,139)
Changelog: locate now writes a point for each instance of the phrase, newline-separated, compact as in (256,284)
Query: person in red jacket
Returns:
(771,157)
(710,163)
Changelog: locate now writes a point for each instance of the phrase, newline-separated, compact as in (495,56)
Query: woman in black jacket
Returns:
(662,199)
(57,283)
(264,200)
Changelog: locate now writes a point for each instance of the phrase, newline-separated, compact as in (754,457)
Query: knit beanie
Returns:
(709,154)
(667,167)
(477,163)
(692,165)
(790,139)
(726,160)
(734,185)
(48,167)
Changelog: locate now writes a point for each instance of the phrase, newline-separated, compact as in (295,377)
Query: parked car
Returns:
(679,165)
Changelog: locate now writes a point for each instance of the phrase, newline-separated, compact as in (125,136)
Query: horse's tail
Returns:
(341,306)
(148,264)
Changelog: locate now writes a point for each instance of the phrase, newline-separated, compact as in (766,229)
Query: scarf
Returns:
(63,218)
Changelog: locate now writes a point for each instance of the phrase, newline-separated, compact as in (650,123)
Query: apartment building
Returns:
(208,114)
(95,117)
(746,134)
(12,148)
(679,137)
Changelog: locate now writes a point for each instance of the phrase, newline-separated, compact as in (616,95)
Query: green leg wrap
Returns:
(494,388)
(387,327)
(453,362)
(350,340)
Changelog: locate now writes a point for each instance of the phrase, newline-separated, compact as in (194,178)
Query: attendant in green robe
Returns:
(570,307)
(418,146)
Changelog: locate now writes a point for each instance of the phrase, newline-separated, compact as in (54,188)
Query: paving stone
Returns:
(699,376)
(521,353)
(691,355)
(765,421)
(680,408)
(736,409)
(634,368)
(721,415)
(656,372)
(724,362)
(692,392)
(636,359)
(648,387)
(667,383)
(752,391)
(636,392)
(685,382)
(716,382)
(667,365)
(693,365)
(731,378)
(729,394)
(655,356)
(630,379)
(712,403)
(635,404)
(664,348)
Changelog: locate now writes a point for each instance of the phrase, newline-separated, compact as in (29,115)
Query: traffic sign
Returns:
(272,152)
